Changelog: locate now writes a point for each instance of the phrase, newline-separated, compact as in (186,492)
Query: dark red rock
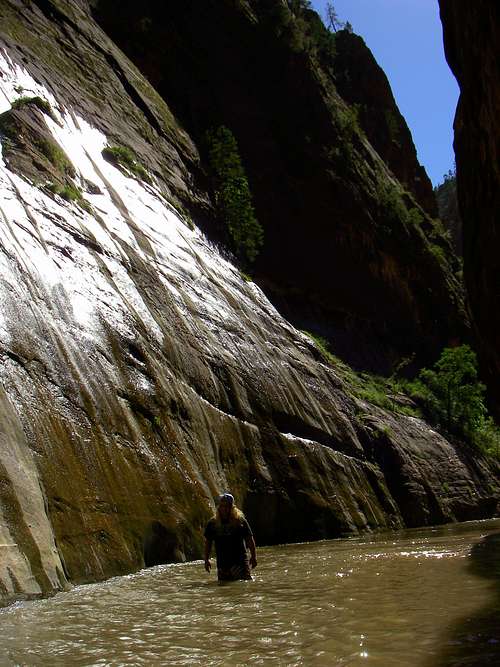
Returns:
(332,261)
(471,38)
(361,81)
(449,212)
(118,428)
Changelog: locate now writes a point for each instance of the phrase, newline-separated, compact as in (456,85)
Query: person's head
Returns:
(226,509)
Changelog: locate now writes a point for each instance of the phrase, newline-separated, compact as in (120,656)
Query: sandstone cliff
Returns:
(140,373)
(449,212)
(361,82)
(341,256)
(471,46)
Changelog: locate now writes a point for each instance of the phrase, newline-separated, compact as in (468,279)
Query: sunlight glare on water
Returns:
(400,599)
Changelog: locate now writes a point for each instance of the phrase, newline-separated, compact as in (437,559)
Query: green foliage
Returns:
(306,31)
(374,389)
(386,430)
(453,397)
(70,193)
(446,196)
(324,44)
(348,128)
(347,121)
(487,437)
(393,209)
(398,208)
(439,231)
(451,393)
(39,102)
(67,192)
(119,154)
(415,217)
(384,392)
(449,213)
(232,194)
(124,157)
(322,345)
(53,187)
(438,253)
(392,125)
(87,206)
(56,156)
(11,129)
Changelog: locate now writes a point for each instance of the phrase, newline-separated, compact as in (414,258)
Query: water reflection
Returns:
(475,640)
(384,600)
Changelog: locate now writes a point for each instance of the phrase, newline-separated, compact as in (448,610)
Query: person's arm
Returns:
(250,542)
(208,550)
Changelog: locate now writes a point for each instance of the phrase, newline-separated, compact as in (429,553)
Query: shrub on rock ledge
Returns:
(121,156)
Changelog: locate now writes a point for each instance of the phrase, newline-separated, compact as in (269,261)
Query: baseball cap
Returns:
(227,498)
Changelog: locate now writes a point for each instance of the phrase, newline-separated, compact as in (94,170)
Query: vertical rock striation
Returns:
(341,256)
(471,33)
(362,82)
(30,564)
(140,373)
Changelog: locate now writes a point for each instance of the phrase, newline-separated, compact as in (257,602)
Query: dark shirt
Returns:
(229,538)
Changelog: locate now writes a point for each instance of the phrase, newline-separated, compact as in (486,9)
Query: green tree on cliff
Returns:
(451,391)
(232,194)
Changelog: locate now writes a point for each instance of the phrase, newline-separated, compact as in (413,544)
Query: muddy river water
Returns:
(426,598)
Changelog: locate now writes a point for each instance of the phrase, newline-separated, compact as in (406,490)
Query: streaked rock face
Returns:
(361,81)
(471,32)
(337,258)
(141,374)
(30,563)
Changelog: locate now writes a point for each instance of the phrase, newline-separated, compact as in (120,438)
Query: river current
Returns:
(427,597)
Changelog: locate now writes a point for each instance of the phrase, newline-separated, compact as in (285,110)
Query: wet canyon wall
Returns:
(331,164)
(140,373)
(471,33)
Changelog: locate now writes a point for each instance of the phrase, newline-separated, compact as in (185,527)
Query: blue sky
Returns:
(405,36)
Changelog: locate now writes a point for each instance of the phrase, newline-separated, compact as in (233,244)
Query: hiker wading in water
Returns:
(233,537)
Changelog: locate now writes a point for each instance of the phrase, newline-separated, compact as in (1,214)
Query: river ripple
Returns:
(413,598)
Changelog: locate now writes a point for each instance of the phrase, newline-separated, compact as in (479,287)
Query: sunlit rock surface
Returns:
(330,161)
(141,375)
(30,563)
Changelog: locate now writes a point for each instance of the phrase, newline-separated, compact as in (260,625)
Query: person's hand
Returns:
(208,565)
(253,562)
